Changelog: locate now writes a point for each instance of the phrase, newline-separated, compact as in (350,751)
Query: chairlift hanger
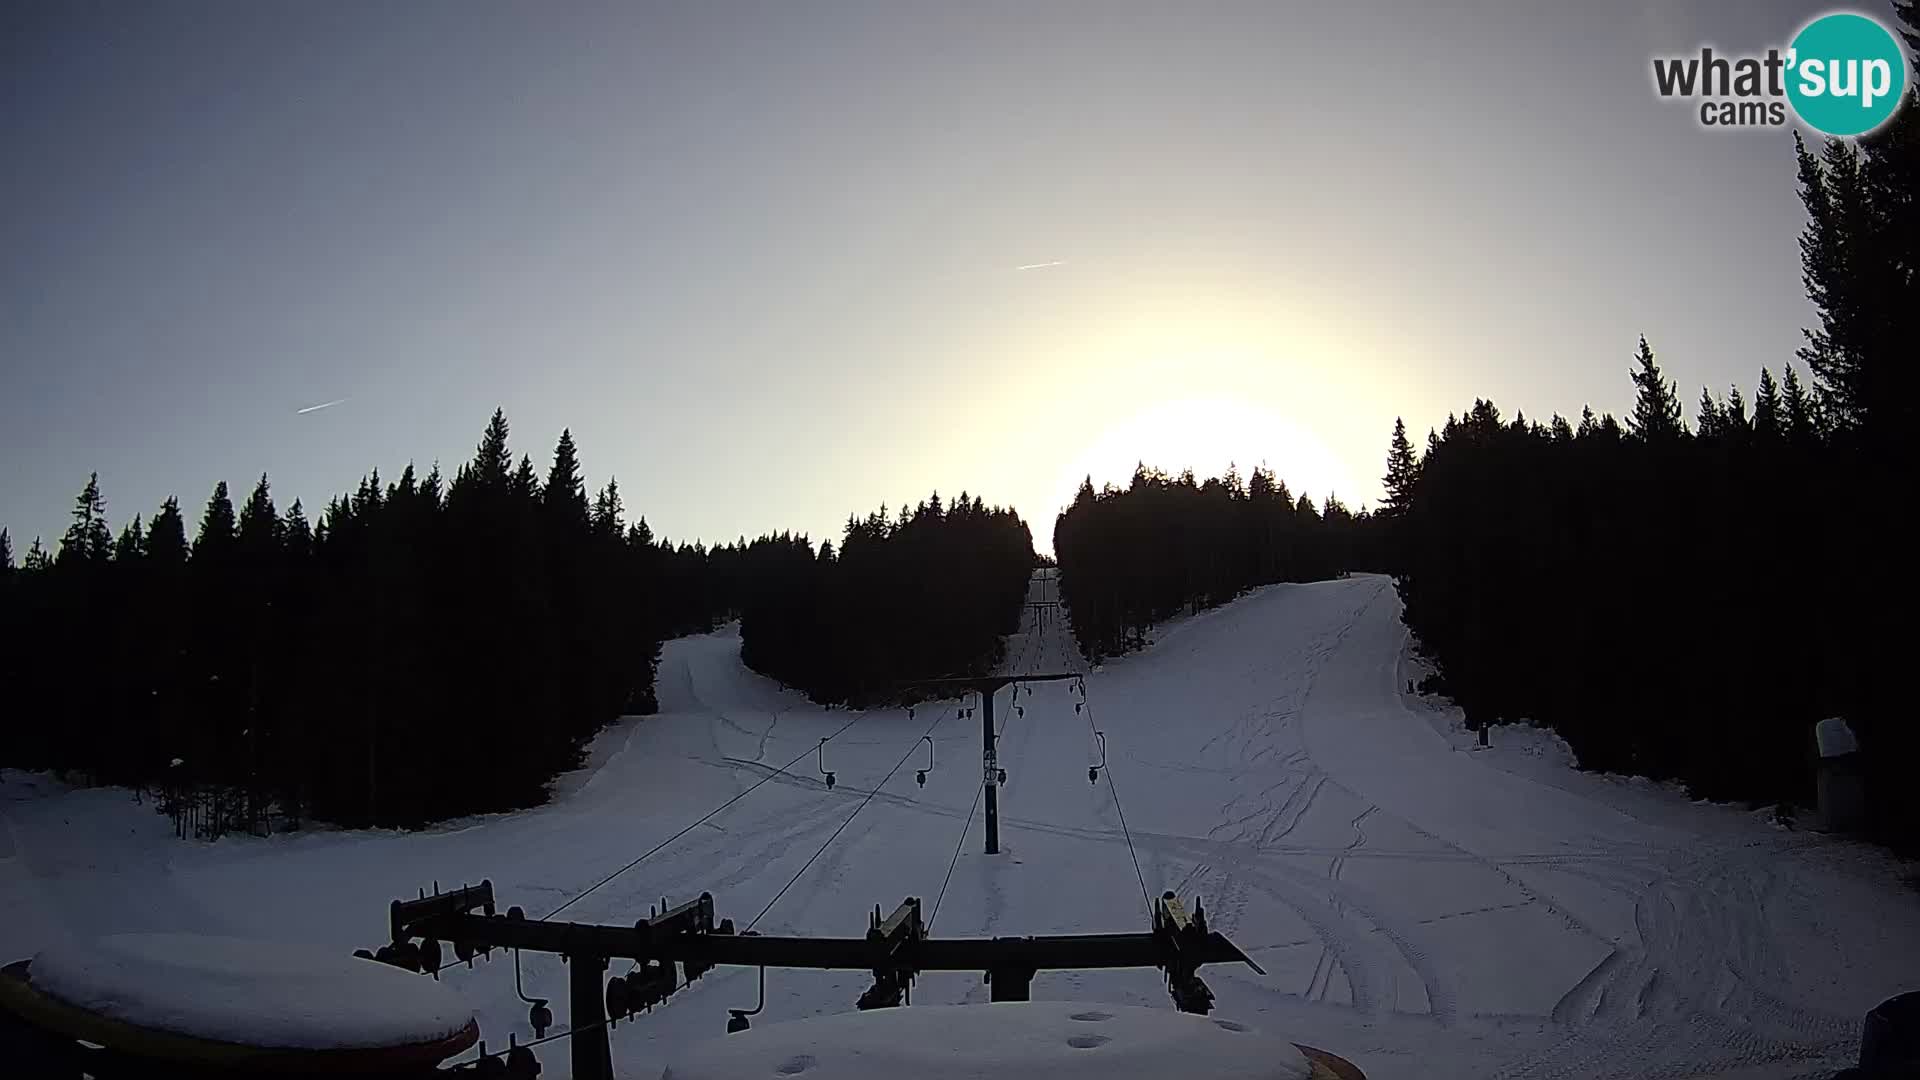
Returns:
(896,949)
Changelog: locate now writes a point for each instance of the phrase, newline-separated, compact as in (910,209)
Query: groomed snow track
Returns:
(1422,909)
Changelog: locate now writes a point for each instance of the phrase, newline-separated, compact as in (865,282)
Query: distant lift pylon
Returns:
(987,686)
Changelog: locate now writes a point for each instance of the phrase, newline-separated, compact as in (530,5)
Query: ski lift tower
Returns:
(987,686)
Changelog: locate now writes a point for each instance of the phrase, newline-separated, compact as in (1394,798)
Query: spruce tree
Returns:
(565,496)
(132,545)
(607,509)
(1738,426)
(432,489)
(167,536)
(1656,408)
(296,534)
(1711,420)
(1830,248)
(1401,469)
(492,463)
(217,529)
(1588,423)
(1800,422)
(259,530)
(88,541)
(525,483)
(1766,408)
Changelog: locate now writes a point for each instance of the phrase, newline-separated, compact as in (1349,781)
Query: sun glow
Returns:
(1207,434)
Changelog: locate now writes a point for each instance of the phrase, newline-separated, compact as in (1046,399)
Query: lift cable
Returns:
(1087,703)
(474,1062)
(710,815)
(955,861)
(843,825)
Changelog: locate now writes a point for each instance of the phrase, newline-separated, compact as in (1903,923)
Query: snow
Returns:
(259,993)
(1834,737)
(1423,909)
(1062,1040)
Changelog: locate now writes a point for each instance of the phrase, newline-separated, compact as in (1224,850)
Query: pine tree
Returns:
(1737,424)
(217,529)
(1801,425)
(432,489)
(296,534)
(1833,193)
(1656,408)
(132,545)
(167,536)
(607,509)
(1588,423)
(525,483)
(405,488)
(1766,407)
(259,531)
(37,558)
(1711,420)
(1401,469)
(1908,12)
(88,540)
(565,496)
(6,552)
(492,463)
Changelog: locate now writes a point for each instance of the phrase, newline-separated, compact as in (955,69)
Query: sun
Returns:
(1207,434)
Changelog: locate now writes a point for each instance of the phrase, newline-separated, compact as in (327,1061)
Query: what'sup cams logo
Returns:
(1843,74)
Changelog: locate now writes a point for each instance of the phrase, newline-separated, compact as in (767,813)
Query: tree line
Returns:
(1684,599)
(425,649)
(1135,556)
(929,593)
(429,648)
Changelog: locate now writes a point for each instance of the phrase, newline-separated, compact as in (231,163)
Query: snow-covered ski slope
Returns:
(1422,909)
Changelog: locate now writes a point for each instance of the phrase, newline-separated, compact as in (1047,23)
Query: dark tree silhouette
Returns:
(929,593)
(426,650)
(1653,597)
(1133,557)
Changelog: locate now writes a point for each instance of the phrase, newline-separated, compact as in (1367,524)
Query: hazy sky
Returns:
(764,259)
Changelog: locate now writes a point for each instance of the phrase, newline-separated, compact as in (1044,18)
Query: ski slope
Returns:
(1421,909)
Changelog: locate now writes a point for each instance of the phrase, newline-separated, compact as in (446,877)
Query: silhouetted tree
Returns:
(88,541)
(1131,558)
(1401,469)
(1656,409)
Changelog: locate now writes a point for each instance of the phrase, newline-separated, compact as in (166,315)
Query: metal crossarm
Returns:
(895,949)
(987,686)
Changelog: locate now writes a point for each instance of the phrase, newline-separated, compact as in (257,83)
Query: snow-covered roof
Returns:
(257,993)
(1834,737)
(1052,1039)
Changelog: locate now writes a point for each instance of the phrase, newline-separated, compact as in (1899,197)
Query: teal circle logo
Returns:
(1846,74)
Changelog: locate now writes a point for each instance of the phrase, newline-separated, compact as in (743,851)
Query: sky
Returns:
(774,263)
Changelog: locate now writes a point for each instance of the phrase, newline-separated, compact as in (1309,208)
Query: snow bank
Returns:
(258,993)
(1057,1039)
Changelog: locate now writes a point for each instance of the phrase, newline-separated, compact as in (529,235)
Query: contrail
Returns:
(1042,266)
(317,408)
